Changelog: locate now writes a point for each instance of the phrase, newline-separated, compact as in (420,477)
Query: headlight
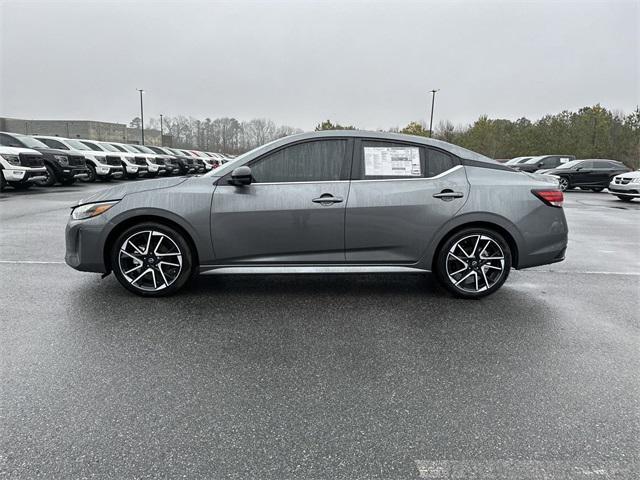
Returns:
(12,159)
(635,180)
(91,210)
(62,159)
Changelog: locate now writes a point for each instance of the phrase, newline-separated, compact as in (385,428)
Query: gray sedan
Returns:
(334,202)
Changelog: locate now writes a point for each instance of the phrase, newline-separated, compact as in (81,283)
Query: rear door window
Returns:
(380,160)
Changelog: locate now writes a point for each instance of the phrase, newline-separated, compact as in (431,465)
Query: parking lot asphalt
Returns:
(314,377)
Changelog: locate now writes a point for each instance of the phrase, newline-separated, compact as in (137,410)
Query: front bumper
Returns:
(84,244)
(69,172)
(24,175)
(136,169)
(628,190)
(109,171)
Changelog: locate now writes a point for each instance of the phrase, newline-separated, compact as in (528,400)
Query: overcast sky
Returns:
(370,64)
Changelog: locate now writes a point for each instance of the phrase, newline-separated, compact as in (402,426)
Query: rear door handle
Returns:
(327,199)
(448,195)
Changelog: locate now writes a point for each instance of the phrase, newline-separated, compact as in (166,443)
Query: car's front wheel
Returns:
(91,174)
(624,198)
(49,178)
(152,260)
(597,189)
(473,262)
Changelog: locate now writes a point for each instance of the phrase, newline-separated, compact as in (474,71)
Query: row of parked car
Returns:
(44,160)
(588,174)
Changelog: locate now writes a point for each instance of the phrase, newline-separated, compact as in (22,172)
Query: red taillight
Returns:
(550,197)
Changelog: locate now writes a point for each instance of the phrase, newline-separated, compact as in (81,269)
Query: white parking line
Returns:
(30,262)
(508,469)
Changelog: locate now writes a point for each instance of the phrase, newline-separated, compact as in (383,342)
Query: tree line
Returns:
(227,135)
(591,132)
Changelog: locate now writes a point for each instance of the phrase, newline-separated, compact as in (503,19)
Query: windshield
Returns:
(144,149)
(513,161)
(77,144)
(31,142)
(571,164)
(533,160)
(109,147)
(230,165)
(128,148)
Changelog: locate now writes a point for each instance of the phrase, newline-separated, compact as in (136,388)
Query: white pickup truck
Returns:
(20,167)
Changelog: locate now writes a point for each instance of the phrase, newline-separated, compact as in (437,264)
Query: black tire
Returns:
(20,185)
(68,181)
(477,267)
(50,177)
(564,184)
(624,198)
(3,182)
(128,239)
(597,189)
(91,174)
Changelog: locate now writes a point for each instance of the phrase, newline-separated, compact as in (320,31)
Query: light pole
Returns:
(433,101)
(161,132)
(141,117)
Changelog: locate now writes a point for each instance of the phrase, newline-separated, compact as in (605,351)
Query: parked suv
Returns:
(20,167)
(182,165)
(543,162)
(126,160)
(61,166)
(592,174)
(101,165)
(141,159)
(162,160)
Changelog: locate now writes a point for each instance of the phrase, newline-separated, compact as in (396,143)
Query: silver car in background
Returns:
(328,202)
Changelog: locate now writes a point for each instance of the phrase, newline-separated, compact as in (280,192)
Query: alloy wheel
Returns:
(564,183)
(475,263)
(150,260)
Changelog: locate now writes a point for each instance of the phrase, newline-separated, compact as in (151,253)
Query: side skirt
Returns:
(302,269)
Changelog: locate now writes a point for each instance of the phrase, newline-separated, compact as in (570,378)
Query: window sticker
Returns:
(392,161)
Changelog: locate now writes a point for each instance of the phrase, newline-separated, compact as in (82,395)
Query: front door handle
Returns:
(448,195)
(327,199)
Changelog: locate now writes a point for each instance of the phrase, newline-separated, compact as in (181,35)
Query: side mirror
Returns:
(540,164)
(241,176)
(578,169)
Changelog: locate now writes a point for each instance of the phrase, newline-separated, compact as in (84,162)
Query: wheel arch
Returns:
(147,217)
(498,225)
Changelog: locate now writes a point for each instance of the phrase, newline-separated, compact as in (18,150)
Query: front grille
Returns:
(75,160)
(113,160)
(140,161)
(30,160)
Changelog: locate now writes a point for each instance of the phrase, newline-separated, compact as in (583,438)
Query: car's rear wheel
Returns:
(597,189)
(3,182)
(624,198)
(152,260)
(564,183)
(473,263)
